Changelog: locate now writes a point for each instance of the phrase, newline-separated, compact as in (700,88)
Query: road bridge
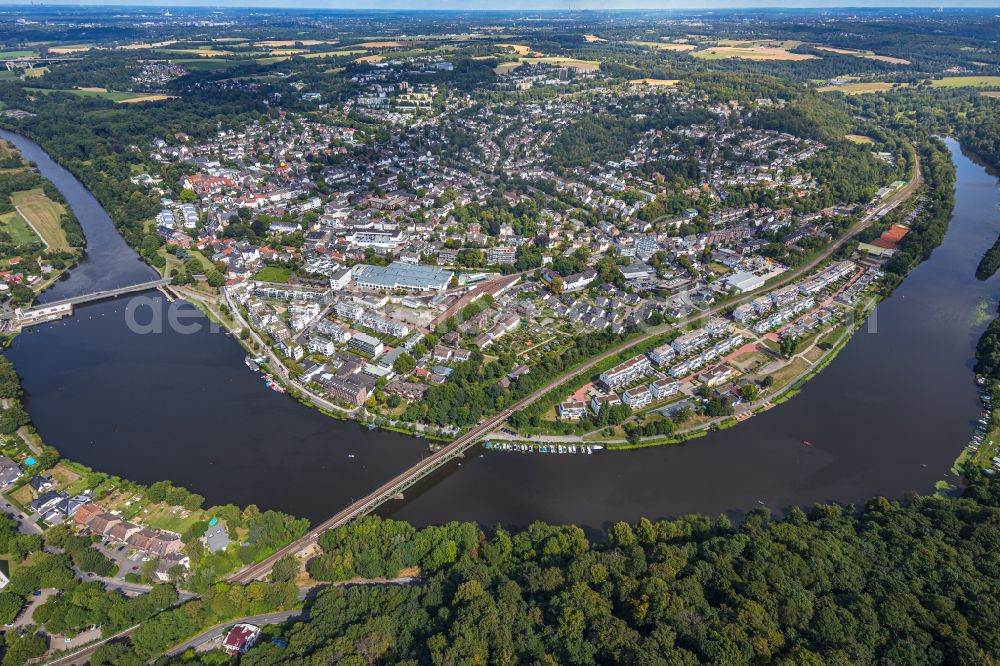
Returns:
(379,496)
(12,63)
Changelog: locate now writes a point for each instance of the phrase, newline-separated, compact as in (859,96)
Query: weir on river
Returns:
(889,414)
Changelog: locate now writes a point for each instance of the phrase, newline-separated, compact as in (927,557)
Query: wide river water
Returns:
(888,416)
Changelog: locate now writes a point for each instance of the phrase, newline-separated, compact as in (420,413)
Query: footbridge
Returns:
(57,309)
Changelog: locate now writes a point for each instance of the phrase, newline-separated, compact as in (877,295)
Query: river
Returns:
(109,262)
(888,416)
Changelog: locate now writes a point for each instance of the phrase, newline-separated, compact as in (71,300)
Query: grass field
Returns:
(34,72)
(860,88)
(284,43)
(664,46)
(865,54)
(859,138)
(113,95)
(273,274)
(559,61)
(519,49)
(43,214)
(384,45)
(200,52)
(771,43)
(73,48)
(172,519)
(19,230)
(505,67)
(312,54)
(212,64)
(967,82)
(655,82)
(336,54)
(7,150)
(750,53)
(17,54)
(788,373)
(146,98)
(146,45)
(593,38)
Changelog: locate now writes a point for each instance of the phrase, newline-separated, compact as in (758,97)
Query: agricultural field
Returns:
(593,39)
(865,54)
(8,55)
(145,98)
(201,52)
(43,214)
(750,53)
(664,46)
(146,45)
(967,82)
(519,49)
(113,95)
(559,61)
(285,43)
(70,48)
(212,64)
(861,88)
(655,82)
(385,45)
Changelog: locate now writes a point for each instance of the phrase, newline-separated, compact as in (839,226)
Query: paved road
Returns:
(216,633)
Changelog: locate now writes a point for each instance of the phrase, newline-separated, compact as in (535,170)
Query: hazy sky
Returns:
(525,4)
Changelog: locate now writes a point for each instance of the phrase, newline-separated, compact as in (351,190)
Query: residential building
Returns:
(501,255)
(625,373)
(572,409)
(662,355)
(637,397)
(664,388)
(10,471)
(366,344)
(599,401)
(346,390)
(240,638)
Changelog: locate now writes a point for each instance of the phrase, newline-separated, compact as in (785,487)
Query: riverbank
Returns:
(542,404)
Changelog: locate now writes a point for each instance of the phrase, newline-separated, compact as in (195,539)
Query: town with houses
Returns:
(478,235)
(347,252)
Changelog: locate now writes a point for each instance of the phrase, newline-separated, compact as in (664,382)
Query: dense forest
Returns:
(909,582)
(599,138)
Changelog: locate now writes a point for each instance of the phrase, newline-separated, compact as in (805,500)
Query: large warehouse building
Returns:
(398,275)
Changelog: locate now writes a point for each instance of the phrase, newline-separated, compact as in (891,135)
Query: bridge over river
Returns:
(57,309)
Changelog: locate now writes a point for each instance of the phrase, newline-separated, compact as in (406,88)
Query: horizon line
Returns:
(476,6)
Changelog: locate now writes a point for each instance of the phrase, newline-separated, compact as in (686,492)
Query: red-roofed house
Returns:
(240,638)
